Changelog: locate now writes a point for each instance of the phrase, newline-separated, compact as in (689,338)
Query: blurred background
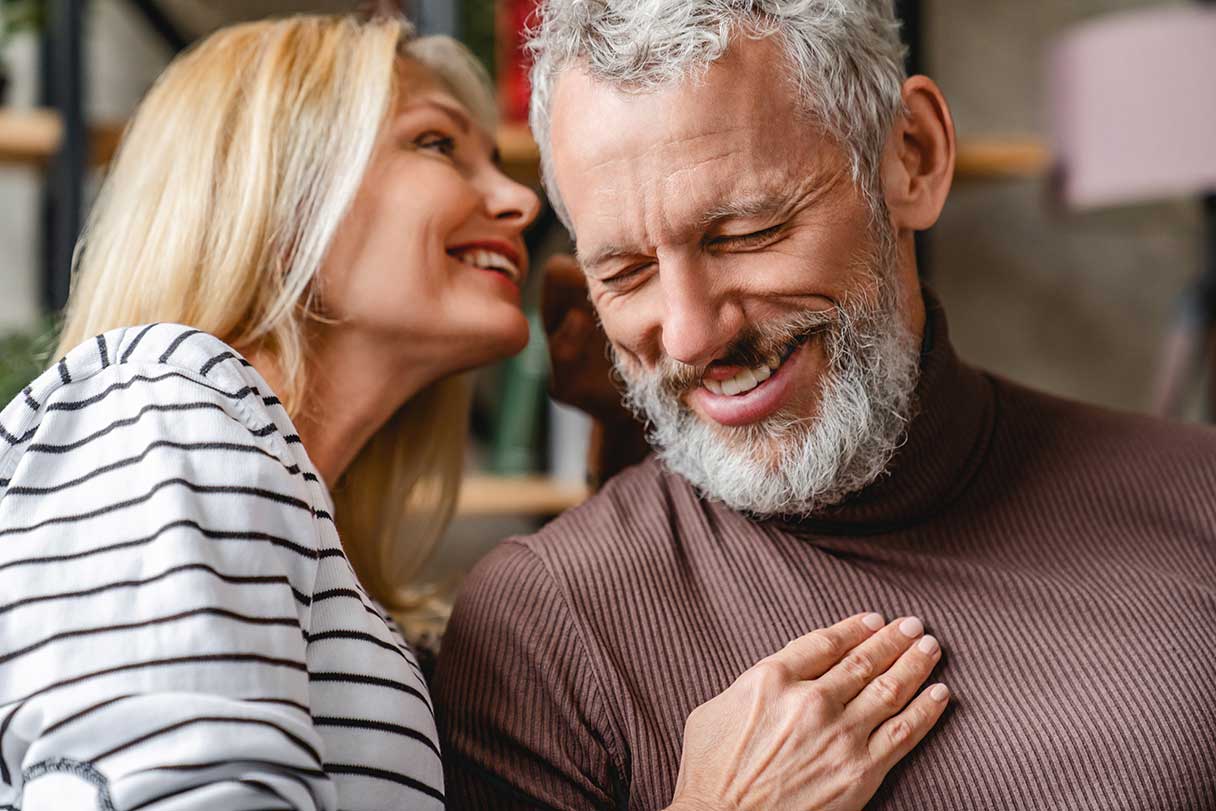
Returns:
(1100,297)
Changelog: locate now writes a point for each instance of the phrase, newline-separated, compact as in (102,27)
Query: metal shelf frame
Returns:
(62,56)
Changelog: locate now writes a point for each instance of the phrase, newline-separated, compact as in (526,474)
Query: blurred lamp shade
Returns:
(1133,106)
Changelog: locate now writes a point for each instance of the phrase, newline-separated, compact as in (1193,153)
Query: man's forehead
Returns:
(642,167)
(594,123)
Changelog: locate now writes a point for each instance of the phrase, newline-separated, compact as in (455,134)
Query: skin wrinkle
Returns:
(659,210)
(678,144)
(782,205)
(820,182)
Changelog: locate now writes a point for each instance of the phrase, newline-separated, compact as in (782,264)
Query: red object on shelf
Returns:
(511,21)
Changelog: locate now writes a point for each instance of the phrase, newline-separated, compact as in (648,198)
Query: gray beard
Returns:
(786,465)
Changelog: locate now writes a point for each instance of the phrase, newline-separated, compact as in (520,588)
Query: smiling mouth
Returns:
(484,259)
(750,377)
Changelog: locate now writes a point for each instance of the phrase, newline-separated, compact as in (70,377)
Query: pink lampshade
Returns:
(1133,106)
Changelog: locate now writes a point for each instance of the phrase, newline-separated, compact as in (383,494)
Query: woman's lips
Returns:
(494,279)
(761,402)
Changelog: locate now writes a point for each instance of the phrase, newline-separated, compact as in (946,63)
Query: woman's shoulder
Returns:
(134,381)
(174,354)
(175,347)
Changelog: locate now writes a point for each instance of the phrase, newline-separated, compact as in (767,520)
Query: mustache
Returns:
(756,345)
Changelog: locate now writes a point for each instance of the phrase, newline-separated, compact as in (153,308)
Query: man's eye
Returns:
(624,277)
(438,142)
(752,240)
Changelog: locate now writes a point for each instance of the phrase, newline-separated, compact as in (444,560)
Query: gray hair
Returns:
(845,57)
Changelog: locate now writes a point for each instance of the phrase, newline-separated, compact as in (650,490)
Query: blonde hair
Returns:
(218,210)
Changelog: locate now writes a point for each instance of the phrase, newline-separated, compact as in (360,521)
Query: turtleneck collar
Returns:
(946,442)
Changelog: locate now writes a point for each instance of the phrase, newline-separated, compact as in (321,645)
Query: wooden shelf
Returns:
(978,158)
(525,495)
(1001,158)
(32,137)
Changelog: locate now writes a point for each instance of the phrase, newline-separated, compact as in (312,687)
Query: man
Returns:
(744,181)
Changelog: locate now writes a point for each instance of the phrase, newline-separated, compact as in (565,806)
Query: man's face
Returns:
(737,271)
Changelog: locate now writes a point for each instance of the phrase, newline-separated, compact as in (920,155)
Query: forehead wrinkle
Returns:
(668,143)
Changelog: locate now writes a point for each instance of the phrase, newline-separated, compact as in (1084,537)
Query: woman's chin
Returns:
(514,342)
(506,341)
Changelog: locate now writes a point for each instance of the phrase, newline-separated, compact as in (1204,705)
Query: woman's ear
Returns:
(918,160)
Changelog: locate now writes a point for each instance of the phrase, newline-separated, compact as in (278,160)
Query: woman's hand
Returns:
(582,371)
(578,349)
(817,725)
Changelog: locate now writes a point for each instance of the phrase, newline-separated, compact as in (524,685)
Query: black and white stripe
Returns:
(179,626)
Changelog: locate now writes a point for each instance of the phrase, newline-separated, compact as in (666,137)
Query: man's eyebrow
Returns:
(604,255)
(755,206)
(744,208)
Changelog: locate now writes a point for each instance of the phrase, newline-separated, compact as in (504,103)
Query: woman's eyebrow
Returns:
(458,116)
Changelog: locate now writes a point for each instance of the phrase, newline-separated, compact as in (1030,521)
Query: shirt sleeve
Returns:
(157,557)
(520,711)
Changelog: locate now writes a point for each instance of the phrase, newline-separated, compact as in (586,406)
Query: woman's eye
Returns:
(438,142)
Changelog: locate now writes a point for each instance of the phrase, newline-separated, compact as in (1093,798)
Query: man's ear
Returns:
(918,160)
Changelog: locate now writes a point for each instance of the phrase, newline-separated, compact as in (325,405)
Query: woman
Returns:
(302,243)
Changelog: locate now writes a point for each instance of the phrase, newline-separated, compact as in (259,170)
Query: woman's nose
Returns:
(509,201)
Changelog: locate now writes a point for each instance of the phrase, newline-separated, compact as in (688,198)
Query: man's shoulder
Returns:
(1026,408)
(634,521)
(1103,441)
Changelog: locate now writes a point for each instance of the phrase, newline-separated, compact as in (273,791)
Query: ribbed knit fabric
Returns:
(1064,555)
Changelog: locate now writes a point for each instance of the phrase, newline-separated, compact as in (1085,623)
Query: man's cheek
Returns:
(624,333)
(627,360)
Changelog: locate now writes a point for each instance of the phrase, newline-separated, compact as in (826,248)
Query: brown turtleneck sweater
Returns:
(1065,556)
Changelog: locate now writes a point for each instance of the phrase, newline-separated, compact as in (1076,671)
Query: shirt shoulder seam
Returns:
(597,677)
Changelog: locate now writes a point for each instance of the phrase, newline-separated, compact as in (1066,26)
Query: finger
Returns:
(565,289)
(569,341)
(810,656)
(846,679)
(898,736)
(890,692)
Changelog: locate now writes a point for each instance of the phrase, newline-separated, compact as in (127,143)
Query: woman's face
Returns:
(430,259)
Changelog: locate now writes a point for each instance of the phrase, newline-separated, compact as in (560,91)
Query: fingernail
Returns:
(939,692)
(927,645)
(873,621)
(911,627)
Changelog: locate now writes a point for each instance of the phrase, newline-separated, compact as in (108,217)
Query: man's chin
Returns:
(751,444)
(758,449)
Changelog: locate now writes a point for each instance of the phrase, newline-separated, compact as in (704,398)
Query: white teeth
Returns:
(488,260)
(741,383)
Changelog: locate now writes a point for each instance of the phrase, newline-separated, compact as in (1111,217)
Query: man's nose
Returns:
(701,318)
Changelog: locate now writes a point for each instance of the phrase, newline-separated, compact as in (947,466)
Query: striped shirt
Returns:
(179,626)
